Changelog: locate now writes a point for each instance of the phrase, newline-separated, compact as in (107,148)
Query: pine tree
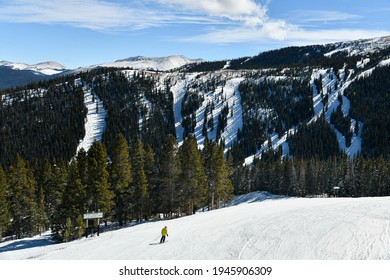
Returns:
(380,176)
(44,176)
(121,178)
(140,183)
(72,206)
(4,209)
(82,162)
(68,232)
(301,177)
(220,187)
(167,177)
(22,202)
(192,178)
(99,195)
(54,190)
(42,221)
(224,186)
(210,165)
(79,228)
(150,172)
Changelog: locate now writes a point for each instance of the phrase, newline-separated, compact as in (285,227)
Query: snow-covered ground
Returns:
(256,226)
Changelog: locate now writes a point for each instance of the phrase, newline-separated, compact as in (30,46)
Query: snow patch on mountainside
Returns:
(224,94)
(227,94)
(360,47)
(385,62)
(333,85)
(95,122)
(178,88)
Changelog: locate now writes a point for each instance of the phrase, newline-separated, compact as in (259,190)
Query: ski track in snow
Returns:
(269,227)
(178,90)
(95,122)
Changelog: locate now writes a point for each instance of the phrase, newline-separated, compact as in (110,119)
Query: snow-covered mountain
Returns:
(19,74)
(43,68)
(360,47)
(220,100)
(147,63)
(256,226)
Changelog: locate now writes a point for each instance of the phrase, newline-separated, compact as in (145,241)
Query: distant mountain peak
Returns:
(155,63)
(45,68)
(134,58)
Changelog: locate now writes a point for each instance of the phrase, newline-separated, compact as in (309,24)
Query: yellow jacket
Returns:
(164,232)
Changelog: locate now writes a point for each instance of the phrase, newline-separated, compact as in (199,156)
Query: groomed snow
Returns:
(256,226)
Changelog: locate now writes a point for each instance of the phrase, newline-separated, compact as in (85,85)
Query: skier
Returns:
(164,232)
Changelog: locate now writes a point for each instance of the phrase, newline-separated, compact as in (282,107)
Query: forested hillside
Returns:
(298,121)
(41,121)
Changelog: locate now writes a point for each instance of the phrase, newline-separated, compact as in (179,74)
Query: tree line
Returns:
(335,175)
(132,183)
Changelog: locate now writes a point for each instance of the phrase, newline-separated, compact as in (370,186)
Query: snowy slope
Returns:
(45,68)
(332,87)
(225,94)
(256,226)
(95,123)
(360,47)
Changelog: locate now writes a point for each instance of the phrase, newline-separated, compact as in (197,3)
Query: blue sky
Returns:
(85,32)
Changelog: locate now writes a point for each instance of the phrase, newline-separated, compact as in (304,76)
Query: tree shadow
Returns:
(258,196)
(22,244)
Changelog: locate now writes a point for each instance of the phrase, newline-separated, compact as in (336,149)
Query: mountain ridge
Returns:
(45,68)
(251,110)
(17,74)
(165,63)
(168,63)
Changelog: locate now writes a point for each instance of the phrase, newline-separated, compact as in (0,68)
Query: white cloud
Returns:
(278,30)
(106,15)
(322,16)
(230,21)
(92,14)
(282,32)
(225,8)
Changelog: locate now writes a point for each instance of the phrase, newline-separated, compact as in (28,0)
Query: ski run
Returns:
(255,226)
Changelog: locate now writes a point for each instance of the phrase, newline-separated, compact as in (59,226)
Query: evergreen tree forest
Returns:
(42,121)
(282,104)
(136,184)
(124,97)
(316,177)
(370,103)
